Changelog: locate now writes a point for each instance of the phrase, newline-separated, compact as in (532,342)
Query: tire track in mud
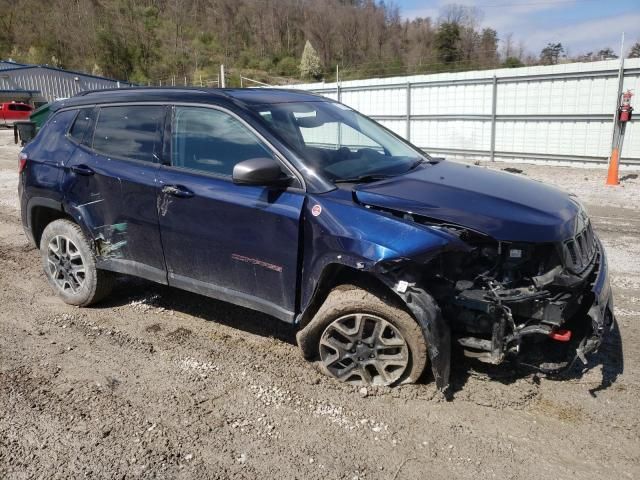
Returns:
(160,383)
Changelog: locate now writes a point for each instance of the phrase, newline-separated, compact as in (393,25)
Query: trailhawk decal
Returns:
(255,261)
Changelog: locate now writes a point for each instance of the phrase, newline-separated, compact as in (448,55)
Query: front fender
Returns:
(339,232)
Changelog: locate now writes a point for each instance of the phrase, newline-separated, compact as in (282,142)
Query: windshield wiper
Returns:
(418,161)
(363,179)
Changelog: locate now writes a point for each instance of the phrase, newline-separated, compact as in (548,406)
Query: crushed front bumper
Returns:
(591,328)
(549,344)
(601,311)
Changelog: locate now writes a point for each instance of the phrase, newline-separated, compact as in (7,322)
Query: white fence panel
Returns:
(559,113)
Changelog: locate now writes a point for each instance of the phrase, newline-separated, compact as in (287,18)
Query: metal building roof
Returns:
(51,82)
(9,64)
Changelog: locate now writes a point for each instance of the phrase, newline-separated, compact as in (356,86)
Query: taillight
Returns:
(22,162)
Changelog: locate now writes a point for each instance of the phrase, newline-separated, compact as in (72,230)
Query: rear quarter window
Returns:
(130,131)
(80,129)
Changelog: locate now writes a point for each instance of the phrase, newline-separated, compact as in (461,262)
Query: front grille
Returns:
(580,250)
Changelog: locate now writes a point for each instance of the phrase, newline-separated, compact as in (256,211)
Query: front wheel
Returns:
(367,340)
(70,265)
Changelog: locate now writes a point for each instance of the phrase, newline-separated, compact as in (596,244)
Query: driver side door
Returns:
(237,243)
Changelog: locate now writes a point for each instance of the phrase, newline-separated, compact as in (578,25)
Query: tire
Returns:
(70,265)
(365,339)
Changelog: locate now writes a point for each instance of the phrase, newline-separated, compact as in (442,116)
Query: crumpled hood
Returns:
(505,206)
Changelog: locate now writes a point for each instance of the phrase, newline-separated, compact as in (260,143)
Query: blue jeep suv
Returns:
(300,207)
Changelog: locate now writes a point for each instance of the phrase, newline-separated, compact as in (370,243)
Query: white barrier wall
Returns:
(553,113)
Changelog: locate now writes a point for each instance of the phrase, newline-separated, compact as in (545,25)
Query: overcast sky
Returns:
(580,25)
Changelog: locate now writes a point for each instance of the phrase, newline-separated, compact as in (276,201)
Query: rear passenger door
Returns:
(111,185)
(234,242)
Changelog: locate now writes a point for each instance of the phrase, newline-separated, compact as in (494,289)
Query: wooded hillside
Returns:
(152,41)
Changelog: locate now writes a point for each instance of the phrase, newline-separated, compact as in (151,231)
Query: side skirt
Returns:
(232,296)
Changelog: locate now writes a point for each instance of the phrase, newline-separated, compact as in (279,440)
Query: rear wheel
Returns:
(70,266)
(368,340)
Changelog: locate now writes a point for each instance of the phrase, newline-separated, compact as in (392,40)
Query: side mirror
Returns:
(24,131)
(260,171)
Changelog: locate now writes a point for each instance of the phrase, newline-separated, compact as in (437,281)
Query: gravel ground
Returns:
(158,383)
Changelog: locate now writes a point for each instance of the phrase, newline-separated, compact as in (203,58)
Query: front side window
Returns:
(338,142)
(132,131)
(212,141)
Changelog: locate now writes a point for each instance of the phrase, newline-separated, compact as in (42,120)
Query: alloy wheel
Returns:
(364,349)
(65,263)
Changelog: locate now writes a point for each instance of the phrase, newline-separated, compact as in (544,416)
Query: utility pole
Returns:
(621,115)
(618,95)
(222,80)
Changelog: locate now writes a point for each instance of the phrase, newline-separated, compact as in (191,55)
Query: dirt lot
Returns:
(157,383)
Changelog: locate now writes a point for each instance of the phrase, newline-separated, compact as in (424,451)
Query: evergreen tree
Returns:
(635,51)
(551,53)
(606,54)
(512,62)
(310,66)
(448,42)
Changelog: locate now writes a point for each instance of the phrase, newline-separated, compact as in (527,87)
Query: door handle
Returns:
(82,170)
(177,191)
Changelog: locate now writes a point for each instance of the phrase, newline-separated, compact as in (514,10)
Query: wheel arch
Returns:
(40,213)
(335,275)
(384,283)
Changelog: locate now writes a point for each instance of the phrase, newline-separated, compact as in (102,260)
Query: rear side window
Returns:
(80,129)
(130,132)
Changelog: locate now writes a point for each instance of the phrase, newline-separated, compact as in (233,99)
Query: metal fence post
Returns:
(494,104)
(408,126)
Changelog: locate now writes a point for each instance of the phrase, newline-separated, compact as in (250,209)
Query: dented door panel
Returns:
(232,241)
(117,205)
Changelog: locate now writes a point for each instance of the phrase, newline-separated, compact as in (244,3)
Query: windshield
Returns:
(338,142)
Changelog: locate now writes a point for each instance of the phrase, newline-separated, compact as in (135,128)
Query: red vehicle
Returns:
(11,112)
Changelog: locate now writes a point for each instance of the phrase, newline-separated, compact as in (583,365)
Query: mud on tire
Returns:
(365,339)
(70,265)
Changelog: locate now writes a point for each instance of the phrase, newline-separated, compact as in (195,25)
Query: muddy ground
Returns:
(158,383)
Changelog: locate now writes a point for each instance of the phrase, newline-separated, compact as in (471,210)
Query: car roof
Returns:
(246,96)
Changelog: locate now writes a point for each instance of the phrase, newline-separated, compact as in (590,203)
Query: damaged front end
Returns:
(542,305)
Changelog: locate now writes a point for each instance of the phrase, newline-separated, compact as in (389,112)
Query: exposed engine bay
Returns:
(521,301)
